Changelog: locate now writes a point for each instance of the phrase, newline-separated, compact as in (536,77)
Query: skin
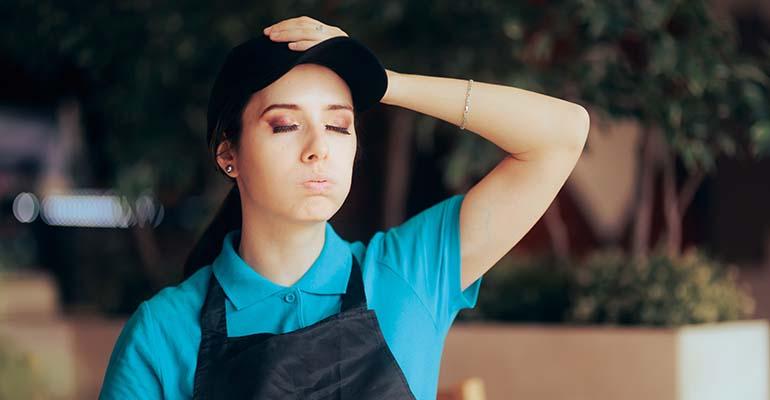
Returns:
(283,221)
(544,137)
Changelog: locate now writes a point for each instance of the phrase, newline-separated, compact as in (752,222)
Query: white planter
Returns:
(723,361)
(70,352)
(28,293)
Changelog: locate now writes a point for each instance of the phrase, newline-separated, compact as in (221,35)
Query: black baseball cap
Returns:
(258,62)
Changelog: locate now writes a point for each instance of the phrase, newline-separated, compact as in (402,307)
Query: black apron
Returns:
(341,357)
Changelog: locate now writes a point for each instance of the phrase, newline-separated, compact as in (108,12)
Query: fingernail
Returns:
(267,30)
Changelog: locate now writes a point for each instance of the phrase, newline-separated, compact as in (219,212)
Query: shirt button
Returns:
(289,298)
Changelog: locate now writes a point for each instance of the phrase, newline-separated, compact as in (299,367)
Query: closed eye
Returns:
(338,129)
(286,128)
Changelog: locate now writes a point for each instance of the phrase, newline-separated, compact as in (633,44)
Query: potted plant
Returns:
(612,328)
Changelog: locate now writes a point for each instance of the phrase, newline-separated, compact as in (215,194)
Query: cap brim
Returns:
(355,64)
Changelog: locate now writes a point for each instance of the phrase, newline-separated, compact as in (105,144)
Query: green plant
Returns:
(19,375)
(525,289)
(662,291)
(609,288)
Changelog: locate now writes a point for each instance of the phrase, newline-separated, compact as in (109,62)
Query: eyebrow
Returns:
(330,107)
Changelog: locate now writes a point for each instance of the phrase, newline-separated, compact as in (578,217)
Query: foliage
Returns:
(524,289)
(676,65)
(147,67)
(144,69)
(689,289)
(607,288)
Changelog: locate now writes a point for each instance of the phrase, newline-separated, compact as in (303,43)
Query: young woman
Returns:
(276,304)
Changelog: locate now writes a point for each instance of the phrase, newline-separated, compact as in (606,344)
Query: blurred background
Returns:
(662,232)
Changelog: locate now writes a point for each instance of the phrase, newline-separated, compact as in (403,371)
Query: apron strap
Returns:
(354,296)
(213,334)
(212,317)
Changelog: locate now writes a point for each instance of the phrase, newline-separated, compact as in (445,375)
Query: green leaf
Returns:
(752,94)
(598,21)
(513,29)
(751,72)
(726,144)
(675,115)
(696,78)
(760,138)
(654,15)
(664,56)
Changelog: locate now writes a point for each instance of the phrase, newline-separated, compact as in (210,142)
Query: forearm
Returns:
(520,122)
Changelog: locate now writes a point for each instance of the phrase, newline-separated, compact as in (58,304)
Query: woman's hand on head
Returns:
(302,32)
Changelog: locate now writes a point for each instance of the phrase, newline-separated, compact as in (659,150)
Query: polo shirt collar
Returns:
(244,286)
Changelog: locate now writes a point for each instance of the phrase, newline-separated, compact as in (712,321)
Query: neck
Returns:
(278,250)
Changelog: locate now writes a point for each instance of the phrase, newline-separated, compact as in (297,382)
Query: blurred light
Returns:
(84,210)
(145,209)
(26,207)
(159,216)
(89,209)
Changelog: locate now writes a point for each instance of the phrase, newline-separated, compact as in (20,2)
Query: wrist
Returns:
(393,76)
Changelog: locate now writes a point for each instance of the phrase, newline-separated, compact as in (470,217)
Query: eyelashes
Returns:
(286,128)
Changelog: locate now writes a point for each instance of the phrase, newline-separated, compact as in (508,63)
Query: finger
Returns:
(286,26)
(291,23)
(293,35)
(309,20)
(286,22)
(302,45)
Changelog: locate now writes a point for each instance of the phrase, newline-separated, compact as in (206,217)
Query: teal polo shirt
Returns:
(411,276)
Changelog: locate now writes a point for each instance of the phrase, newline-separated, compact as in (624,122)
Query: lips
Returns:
(318,179)
(317,183)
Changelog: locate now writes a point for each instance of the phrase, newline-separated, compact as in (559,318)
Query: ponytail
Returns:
(209,245)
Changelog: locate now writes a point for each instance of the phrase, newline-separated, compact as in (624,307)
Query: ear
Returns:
(226,155)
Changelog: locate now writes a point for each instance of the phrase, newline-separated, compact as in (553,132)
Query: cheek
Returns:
(351,146)
(342,155)
(348,165)
(263,160)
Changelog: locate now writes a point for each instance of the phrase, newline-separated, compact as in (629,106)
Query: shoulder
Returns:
(147,351)
(179,305)
(420,236)
(171,312)
(420,259)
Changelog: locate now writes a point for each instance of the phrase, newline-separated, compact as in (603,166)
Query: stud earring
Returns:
(229,169)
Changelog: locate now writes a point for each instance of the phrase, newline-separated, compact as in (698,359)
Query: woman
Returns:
(277,305)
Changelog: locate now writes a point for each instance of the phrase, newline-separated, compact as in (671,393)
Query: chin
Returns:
(319,208)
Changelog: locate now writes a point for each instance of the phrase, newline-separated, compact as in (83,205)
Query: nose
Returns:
(316,148)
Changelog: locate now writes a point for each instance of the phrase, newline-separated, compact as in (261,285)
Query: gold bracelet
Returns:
(467,104)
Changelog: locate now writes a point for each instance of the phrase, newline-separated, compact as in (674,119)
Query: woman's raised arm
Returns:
(543,135)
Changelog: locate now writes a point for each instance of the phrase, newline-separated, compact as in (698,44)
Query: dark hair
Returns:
(229,126)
